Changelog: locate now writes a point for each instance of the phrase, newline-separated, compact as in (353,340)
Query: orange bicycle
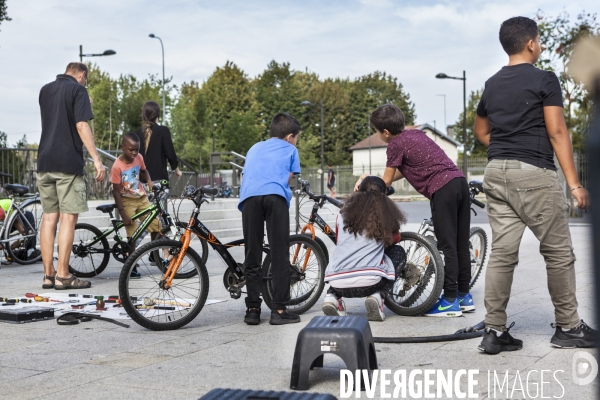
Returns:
(174,294)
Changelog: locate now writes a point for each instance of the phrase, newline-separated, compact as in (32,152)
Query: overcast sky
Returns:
(411,40)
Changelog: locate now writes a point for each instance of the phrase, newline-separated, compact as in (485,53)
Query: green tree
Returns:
(277,90)
(3,14)
(558,35)
(117,104)
(474,147)
(228,92)
(188,125)
(371,91)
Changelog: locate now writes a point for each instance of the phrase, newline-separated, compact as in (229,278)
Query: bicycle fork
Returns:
(167,278)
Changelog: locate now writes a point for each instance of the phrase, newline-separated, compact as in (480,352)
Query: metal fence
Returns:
(22,165)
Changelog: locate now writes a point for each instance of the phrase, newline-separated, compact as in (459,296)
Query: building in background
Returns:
(370,154)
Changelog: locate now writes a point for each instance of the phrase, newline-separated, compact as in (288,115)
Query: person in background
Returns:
(520,117)
(365,261)
(265,200)
(156,145)
(414,156)
(65,110)
(331,180)
(128,191)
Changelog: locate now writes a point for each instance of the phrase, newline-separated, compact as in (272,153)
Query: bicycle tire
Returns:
(323,247)
(479,252)
(133,292)
(299,303)
(85,233)
(424,271)
(19,253)
(195,244)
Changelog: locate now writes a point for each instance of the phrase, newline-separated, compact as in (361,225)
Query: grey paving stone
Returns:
(102,392)
(101,360)
(129,360)
(58,380)
(8,374)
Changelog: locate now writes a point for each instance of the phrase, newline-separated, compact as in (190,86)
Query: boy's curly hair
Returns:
(371,213)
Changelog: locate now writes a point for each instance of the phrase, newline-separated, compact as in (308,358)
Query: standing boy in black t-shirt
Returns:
(520,118)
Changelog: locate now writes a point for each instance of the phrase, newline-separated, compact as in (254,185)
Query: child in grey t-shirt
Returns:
(365,260)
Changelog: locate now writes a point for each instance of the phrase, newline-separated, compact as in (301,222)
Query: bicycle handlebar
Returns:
(196,195)
(306,188)
(209,191)
(477,202)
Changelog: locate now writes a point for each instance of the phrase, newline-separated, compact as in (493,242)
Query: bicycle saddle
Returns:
(106,208)
(17,189)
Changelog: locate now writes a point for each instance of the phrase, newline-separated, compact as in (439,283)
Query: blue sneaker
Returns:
(442,308)
(466,303)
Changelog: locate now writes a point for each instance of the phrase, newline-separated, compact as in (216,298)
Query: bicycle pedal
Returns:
(235,292)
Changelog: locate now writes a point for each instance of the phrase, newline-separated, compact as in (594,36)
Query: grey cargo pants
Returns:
(521,195)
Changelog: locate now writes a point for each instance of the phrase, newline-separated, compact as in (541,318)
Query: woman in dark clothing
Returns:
(156,145)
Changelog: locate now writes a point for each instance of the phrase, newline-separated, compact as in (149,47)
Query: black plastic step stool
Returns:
(349,338)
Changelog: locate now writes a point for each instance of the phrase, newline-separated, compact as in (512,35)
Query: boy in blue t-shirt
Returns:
(265,197)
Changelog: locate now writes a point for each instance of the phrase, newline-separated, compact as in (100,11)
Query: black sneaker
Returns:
(285,317)
(252,316)
(582,336)
(134,274)
(494,344)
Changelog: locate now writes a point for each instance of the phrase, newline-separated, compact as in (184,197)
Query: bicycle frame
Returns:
(14,211)
(154,210)
(315,218)
(196,227)
(426,228)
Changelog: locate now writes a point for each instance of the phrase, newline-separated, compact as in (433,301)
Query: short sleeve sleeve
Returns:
(82,107)
(395,154)
(551,92)
(295,167)
(142,163)
(115,174)
(482,107)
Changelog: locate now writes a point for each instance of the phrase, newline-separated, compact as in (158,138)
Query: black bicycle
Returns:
(478,240)
(173,297)
(20,230)
(419,285)
(91,250)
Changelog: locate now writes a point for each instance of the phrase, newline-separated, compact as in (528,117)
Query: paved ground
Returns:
(103,361)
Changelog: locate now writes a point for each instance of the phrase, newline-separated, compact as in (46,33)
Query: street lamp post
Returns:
(106,53)
(308,103)
(464,79)
(163,79)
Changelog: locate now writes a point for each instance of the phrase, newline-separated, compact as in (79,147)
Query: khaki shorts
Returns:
(132,206)
(62,192)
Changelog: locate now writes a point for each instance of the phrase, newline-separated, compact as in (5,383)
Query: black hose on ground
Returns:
(470,332)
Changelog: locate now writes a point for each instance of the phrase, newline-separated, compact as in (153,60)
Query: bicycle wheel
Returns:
(17,249)
(323,247)
(196,243)
(478,246)
(147,301)
(307,273)
(89,256)
(419,285)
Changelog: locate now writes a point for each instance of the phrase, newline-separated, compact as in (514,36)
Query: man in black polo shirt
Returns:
(65,108)
(520,118)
